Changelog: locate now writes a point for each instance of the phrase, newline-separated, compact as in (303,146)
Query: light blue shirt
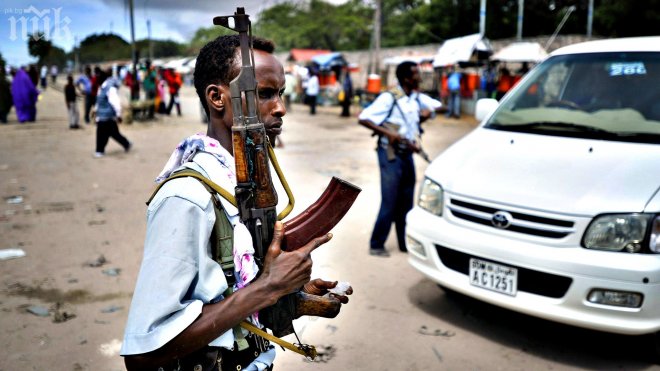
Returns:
(178,275)
(86,83)
(405,116)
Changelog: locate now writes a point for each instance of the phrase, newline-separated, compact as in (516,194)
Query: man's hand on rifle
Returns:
(393,137)
(320,287)
(286,272)
(414,146)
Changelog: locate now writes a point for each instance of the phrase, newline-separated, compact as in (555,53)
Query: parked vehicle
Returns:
(551,206)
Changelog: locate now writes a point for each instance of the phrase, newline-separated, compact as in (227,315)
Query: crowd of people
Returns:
(97,88)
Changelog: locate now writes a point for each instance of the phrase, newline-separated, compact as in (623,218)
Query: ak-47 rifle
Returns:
(256,197)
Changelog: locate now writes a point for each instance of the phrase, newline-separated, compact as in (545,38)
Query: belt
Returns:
(221,359)
(234,359)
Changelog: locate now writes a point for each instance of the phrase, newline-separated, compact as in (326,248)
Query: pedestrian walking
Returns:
(289,88)
(84,85)
(25,96)
(6,100)
(454,86)
(43,75)
(312,90)
(108,114)
(347,94)
(149,85)
(71,105)
(174,83)
(53,73)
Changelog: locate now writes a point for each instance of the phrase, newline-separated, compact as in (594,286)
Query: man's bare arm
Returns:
(283,273)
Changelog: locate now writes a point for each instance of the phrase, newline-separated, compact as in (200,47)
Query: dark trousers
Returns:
(454,104)
(89,102)
(174,99)
(106,130)
(346,108)
(312,104)
(397,188)
(151,95)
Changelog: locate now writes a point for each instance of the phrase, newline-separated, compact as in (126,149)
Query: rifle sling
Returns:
(226,258)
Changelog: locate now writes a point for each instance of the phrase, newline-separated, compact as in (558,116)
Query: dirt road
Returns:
(81,222)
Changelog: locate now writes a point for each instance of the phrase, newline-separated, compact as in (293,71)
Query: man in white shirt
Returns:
(312,90)
(395,117)
(181,312)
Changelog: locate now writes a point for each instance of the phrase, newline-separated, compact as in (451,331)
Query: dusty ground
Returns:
(76,209)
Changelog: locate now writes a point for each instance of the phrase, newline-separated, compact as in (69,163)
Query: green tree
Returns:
(103,47)
(349,26)
(203,35)
(621,18)
(56,56)
(162,48)
(317,25)
(39,46)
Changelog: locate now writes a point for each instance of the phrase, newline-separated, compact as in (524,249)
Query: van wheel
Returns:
(656,348)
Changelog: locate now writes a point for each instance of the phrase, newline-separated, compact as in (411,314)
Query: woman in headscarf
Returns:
(25,96)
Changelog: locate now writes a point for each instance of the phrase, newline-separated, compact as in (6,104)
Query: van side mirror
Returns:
(484,108)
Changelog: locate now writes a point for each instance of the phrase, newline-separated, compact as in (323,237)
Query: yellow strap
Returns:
(191,173)
(229,196)
(305,350)
(285,184)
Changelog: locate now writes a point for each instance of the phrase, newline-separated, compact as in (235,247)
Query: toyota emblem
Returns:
(501,220)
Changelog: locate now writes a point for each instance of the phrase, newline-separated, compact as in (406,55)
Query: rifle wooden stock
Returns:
(313,305)
(320,217)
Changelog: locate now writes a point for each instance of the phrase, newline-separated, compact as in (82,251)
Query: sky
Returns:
(65,21)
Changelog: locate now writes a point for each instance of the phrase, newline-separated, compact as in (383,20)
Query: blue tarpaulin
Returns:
(327,61)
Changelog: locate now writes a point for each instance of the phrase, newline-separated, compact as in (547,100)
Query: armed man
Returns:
(217,266)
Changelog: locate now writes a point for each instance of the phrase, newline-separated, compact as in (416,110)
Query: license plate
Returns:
(495,277)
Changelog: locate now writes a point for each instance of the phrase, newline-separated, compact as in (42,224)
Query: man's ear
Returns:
(217,98)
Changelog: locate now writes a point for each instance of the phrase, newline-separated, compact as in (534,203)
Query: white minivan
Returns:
(551,206)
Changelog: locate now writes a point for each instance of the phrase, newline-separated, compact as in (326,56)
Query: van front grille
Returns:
(519,222)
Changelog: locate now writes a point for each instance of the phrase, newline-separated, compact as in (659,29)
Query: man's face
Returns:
(415,77)
(270,87)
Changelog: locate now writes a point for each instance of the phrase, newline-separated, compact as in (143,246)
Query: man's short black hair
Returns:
(404,70)
(215,60)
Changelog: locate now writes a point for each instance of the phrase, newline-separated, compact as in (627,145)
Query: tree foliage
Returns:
(317,25)
(203,36)
(39,46)
(56,56)
(107,47)
(103,47)
(349,26)
(161,48)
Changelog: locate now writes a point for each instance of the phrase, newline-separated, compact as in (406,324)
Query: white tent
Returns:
(521,52)
(182,65)
(461,49)
(396,60)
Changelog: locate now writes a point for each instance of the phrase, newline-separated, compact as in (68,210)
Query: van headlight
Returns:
(431,197)
(621,232)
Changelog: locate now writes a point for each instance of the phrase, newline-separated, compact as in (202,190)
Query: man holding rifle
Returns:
(395,116)
(182,313)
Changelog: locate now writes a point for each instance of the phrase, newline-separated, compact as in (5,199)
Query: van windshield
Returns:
(608,96)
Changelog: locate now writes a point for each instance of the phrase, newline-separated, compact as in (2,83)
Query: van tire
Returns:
(656,348)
